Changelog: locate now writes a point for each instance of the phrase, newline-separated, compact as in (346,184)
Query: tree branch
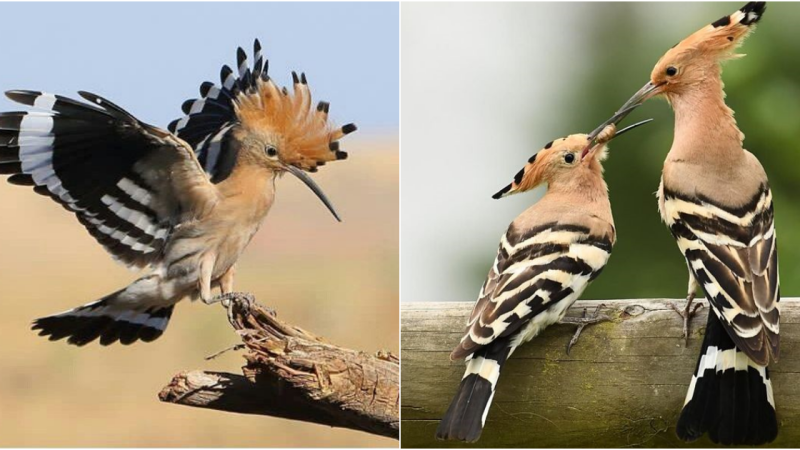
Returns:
(293,374)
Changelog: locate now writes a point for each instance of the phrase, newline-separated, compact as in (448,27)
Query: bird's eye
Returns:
(272,151)
(569,158)
(672,71)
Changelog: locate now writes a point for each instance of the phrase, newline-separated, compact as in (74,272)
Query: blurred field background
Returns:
(339,280)
(486,85)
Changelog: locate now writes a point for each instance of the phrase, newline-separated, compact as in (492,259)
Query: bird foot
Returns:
(225,298)
(686,313)
(582,322)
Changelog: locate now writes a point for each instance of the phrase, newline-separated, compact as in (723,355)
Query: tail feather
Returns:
(730,396)
(106,320)
(466,416)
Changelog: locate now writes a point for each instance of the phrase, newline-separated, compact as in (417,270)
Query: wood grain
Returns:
(622,386)
(293,374)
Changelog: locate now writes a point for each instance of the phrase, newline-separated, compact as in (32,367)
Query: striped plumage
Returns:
(184,205)
(729,396)
(545,260)
(715,197)
(732,253)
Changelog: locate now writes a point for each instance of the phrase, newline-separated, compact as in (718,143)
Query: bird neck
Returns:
(705,129)
(586,187)
(250,187)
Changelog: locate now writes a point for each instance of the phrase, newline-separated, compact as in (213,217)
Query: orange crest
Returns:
(307,138)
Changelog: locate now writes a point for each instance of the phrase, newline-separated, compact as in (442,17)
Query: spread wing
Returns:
(733,254)
(537,274)
(209,120)
(127,182)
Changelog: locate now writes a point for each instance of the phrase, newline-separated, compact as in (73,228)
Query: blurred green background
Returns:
(530,73)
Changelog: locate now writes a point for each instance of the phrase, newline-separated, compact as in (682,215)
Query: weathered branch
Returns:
(622,386)
(293,374)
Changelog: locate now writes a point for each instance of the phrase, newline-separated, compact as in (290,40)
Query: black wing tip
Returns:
(187,105)
(205,87)
(23,96)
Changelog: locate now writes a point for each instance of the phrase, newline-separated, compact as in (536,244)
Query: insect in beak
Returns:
(598,138)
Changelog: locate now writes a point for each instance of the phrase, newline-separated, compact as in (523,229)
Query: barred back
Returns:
(536,273)
(733,255)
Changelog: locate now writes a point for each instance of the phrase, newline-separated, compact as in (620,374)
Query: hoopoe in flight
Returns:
(715,197)
(548,256)
(183,203)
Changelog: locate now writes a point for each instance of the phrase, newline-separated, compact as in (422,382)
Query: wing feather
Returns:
(535,269)
(127,182)
(733,254)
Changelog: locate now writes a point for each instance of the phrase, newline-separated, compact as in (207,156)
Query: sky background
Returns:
(150,57)
(486,85)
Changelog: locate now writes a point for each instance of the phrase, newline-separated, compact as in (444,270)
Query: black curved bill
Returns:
(314,187)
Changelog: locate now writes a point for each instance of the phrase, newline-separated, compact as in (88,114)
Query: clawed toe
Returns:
(582,322)
(686,313)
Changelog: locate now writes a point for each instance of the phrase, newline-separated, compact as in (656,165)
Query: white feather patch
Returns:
(721,361)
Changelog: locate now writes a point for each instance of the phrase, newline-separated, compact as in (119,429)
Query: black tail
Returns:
(466,415)
(107,320)
(730,396)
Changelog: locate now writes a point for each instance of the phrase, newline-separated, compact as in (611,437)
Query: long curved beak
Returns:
(314,187)
(648,91)
(591,149)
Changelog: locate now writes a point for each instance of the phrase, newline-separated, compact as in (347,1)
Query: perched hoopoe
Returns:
(715,198)
(184,205)
(548,256)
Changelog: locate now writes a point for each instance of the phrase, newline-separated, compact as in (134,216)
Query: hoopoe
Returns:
(548,256)
(715,197)
(183,203)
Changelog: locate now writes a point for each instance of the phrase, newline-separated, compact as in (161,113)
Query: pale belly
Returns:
(550,316)
(179,273)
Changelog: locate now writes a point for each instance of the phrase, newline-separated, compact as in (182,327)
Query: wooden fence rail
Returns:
(622,386)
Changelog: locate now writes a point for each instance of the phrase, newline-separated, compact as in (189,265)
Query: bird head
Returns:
(567,158)
(284,133)
(695,60)
(248,120)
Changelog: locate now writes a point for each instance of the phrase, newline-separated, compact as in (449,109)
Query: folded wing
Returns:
(733,254)
(536,273)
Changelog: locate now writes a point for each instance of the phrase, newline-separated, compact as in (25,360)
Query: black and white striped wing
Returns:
(126,181)
(537,275)
(733,254)
(209,119)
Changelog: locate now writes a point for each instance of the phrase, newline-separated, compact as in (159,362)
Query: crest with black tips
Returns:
(249,99)
(753,11)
